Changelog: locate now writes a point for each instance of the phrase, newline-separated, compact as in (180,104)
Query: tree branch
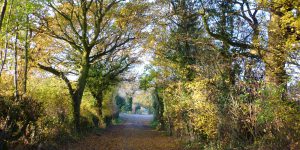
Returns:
(113,48)
(224,39)
(58,74)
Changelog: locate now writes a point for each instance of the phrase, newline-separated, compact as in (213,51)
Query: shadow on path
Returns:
(134,133)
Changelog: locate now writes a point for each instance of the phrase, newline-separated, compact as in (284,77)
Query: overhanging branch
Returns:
(58,74)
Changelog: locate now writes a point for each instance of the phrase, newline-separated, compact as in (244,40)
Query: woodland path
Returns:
(134,133)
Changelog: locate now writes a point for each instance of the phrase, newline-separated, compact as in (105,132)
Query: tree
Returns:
(4,56)
(274,58)
(88,31)
(151,81)
(283,33)
(106,73)
(185,30)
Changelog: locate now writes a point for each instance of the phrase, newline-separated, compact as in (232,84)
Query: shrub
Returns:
(278,121)
(190,112)
(18,119)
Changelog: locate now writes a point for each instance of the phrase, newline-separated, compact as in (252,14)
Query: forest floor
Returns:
(134,133)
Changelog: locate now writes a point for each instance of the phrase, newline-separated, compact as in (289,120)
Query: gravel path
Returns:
(133,134)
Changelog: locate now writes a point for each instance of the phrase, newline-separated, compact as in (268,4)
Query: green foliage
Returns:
(154,124)
(120,101)
(55,99)
(89,111)
(57,123)
(148,80)
(110,108)
(128,105)
(278,121)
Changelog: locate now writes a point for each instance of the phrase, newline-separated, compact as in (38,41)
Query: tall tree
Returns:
(283,33)
(16,65)
(185,30)
(92,30)
(275,53)
(4,54)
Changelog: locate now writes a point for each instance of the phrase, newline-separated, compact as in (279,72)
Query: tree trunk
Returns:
(26,56)
(3,61)
(160,111)
(99,99)
(77,96)
(16,67)
(76,113)
(3,10)
(276,57)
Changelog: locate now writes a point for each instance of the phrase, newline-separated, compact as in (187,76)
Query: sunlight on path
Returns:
(134,134)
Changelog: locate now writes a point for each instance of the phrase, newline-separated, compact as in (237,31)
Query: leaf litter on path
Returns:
(134,133)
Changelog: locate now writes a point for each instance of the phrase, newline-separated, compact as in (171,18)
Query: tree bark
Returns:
(76,113)
(26,56)
(77,96)
(99,99)
(3,10)
(16,67)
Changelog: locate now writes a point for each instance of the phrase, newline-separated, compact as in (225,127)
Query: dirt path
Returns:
(133,134)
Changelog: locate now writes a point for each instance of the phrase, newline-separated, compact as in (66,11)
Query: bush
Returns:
(89,112)
(53,95)
(189,112)
(120,102)
(278,121)
(112,105)
(18,119)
